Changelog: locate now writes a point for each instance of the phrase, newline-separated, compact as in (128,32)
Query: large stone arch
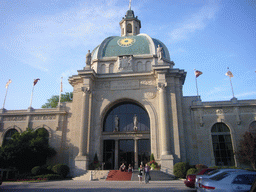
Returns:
(8,129)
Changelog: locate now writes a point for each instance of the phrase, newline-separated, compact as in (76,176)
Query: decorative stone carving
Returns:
(219,111)
(247,109)
(86,90)
(160,53)
(116,123)
(88,59)
(135,123)
(120,85)
(161,86)
(125,63)
(150,94)
(43,117)
(147,82)
(14,118)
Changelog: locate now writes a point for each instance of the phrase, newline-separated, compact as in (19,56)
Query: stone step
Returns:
(155,176)
(93,175)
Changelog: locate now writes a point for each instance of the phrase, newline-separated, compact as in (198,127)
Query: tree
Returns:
(54,100)
(26,150)
(247,151)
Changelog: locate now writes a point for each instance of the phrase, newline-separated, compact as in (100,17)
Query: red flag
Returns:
(198,73)
(35,81)
(7,84)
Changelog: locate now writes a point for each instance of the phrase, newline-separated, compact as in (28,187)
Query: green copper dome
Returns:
(140,44)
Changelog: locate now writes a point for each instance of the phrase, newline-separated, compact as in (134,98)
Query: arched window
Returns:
(129,28)
(103,68)
(148,66)
(222,145)
(252,127)
(111,68)
(43,132)
(124,117)
(8,135)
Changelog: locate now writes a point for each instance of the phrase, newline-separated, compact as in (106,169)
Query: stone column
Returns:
(116,154)
(164,129)
(136,159)
(82,159)
(166,157)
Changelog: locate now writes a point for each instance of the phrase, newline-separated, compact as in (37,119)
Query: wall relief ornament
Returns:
(15,118)
(125,63)
(43,117)
(147,82)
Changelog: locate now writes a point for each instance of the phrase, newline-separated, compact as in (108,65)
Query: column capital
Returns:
(86,90)
(161,86)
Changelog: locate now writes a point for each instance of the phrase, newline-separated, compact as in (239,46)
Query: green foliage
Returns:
(191,171)
(152,158)
(61,170)
(48,177)
(247,152)
(36,170)
(26,150)
(54,100)
(180,169)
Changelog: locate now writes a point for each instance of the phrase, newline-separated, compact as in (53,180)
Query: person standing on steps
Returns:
(147,175)
(140,174)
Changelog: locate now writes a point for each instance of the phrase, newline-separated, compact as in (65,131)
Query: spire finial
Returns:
(130,2)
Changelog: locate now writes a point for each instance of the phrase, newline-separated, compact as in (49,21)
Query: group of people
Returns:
(142,171)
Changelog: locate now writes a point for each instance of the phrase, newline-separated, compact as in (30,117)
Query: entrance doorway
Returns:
(126,152)
(109,154)
(144,151)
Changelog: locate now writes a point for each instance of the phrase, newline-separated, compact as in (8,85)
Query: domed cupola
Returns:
(130,52)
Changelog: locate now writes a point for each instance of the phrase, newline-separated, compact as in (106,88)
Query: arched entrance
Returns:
(126,136)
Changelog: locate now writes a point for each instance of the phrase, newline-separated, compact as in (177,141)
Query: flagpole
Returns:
(31,96)
(60,90)
(197,89)
(5,96)
(231,87)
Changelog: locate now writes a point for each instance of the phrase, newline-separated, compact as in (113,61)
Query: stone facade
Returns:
(179,128)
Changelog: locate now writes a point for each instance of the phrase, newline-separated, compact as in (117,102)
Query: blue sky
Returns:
(49,39)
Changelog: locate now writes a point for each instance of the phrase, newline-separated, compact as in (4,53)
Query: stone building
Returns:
(128,103)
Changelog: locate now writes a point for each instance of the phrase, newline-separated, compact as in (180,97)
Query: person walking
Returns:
(147,175)
(140,174)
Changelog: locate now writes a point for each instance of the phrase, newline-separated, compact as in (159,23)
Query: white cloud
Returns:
(40,40)
(198,21)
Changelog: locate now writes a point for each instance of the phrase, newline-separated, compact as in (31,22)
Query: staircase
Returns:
(117,175)
(94,175)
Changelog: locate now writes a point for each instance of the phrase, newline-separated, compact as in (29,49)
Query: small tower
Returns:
(130,25)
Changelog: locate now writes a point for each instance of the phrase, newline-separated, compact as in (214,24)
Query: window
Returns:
(129,28)
(8,135)
(222,145)
(244,179)
(123,115)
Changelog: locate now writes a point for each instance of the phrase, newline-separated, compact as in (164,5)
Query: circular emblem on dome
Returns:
(126,42)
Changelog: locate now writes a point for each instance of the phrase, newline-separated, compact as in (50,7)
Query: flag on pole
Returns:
(229,74)
(198,73)
(35,81)
(7,84)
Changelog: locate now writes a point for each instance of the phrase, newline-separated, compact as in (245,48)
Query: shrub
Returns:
(47,177)
(201,166)
(191,171)
(152,158)
(37,170)
(61,169)
(180,169)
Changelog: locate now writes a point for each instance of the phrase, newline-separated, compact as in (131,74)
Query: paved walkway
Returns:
(95,186)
